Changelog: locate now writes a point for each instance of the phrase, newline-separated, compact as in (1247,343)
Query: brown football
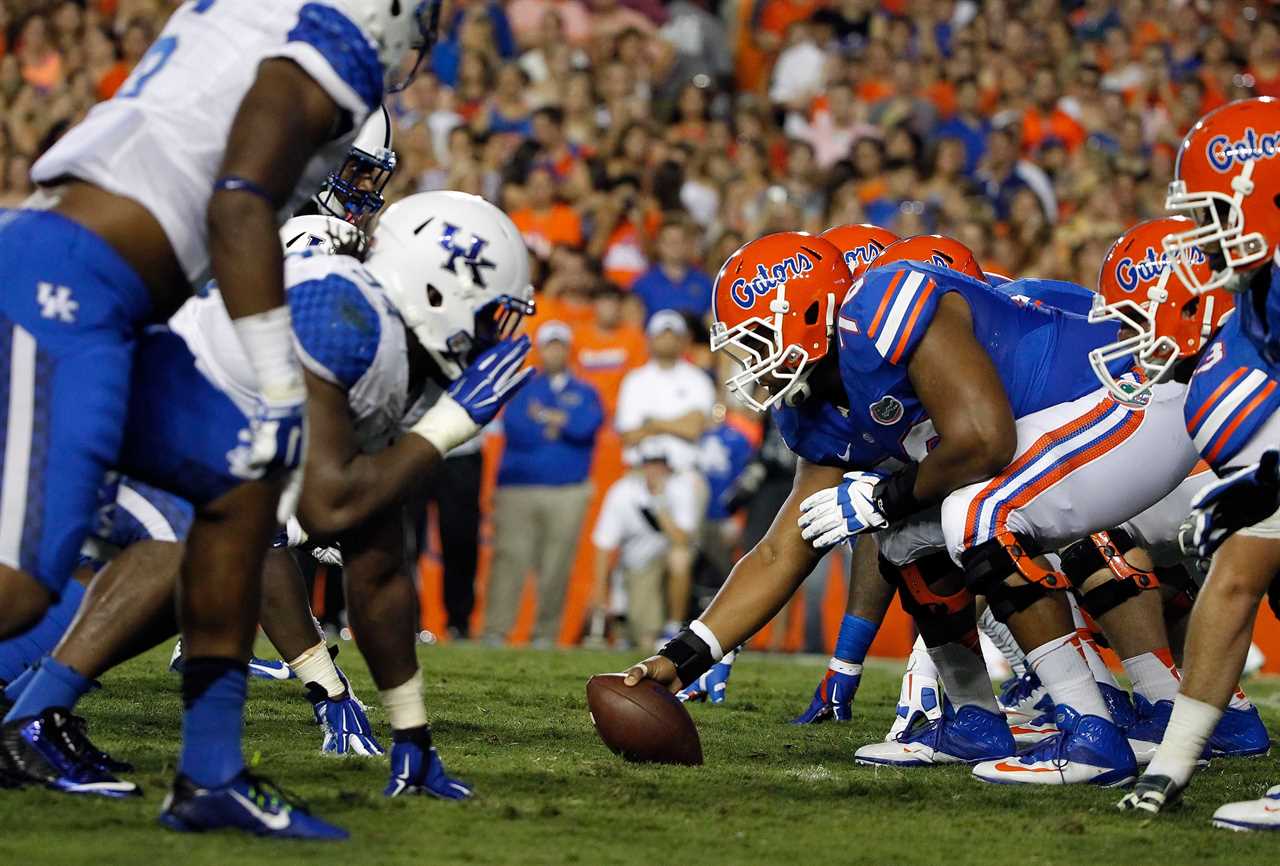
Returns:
(642,723)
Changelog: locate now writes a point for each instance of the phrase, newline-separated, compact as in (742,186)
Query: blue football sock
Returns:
(23,650)
(213,695)
(53,685)
(15,689)
(856,635)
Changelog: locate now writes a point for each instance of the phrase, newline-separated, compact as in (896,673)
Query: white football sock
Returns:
(1153,675)
(999,634)
(1240,701)
(1062,668)
(1190,727)
(964,676)
(920,663)
(316,666)
(404,705)
(1089,647)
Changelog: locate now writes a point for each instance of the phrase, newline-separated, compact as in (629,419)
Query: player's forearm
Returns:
(955,463)
(245,252)
(758,587)
(342,496)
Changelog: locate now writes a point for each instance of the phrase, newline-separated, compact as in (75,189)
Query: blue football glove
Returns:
(838,513)
(346,727)
(415,770)
(710,685)
(833,698)
(495,377)
(1243,498)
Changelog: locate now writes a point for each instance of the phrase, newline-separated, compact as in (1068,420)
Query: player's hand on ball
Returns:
(656,668)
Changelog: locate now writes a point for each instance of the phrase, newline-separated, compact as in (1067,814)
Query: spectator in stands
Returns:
(675,282)
(545,223)
(1002,173)
(649,517)
(609,346)
(543,491)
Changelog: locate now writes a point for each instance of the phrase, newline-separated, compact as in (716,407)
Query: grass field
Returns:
(514,724)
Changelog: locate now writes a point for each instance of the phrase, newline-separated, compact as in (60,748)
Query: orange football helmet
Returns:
(935,249)
(1227,179)
(860,243)
(1164,319)
(774,307)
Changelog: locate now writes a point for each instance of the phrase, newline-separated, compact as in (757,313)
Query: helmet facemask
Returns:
(1219,233)
(355,191)
(427,30)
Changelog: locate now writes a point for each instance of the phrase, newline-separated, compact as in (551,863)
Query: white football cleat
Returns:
(963,736)
(1086,750)
(1261,814)
(1024,698)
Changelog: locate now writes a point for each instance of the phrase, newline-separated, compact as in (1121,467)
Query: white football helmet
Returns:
(396,27)
(456,269)
(354,191)
(316,231)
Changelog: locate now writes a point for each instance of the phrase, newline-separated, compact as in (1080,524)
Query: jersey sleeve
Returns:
(338,56)
(336,328)
(893,309)
(1225,406)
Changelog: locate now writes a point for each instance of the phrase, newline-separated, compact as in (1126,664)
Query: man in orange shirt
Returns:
(609,347)
(1045,119)
(543,222)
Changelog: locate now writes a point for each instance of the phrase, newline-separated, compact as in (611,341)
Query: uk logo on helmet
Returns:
(472,255)
(1130,274)
(1224,153)
(744,291)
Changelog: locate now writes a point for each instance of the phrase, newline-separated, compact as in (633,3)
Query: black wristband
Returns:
(690,654)
(896,495)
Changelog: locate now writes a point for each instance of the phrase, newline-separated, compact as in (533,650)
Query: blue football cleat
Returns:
(418,771)
(1147,731)
(1240,734)
(52,750)
(270,669)
(1023,698)
(964,736)
(1086,749)
(919,702)
(710,686)
(249,803)
(1119,705)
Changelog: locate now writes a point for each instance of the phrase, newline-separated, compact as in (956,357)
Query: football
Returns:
(643,723)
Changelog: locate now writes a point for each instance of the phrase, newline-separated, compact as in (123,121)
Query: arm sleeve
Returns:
(903,310)
(338,56)
(336,330)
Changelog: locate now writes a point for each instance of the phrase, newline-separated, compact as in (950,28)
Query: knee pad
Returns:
(988,564)
(1105,551)
(933,592)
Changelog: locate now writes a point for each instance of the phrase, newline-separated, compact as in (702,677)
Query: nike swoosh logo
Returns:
(402,778)
(1005,767)
(278,821)
(848,453)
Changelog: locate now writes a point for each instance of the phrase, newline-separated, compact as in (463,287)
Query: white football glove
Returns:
(838,513)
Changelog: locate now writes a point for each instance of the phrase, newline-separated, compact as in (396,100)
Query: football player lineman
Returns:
(1000,387)
(185,168)
(1226,179)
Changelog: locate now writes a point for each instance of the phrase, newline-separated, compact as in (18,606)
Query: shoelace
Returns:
(270,795)
(1016,690)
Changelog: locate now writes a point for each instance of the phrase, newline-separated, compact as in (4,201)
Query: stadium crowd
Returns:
(637,143)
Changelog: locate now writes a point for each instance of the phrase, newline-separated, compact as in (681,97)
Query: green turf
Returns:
(513,723)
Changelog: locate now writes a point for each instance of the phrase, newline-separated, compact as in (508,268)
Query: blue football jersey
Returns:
(722,455)
(1039,352)
(823,433)
(1261,327)
(1231,396)
(1066,296)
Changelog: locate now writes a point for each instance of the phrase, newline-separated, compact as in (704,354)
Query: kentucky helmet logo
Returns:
(472,255)
(744,291)
(887,410)
(1130,273)
(1224,153)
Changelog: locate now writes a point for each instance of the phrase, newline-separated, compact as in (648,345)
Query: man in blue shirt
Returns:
(542,490)
(674,283)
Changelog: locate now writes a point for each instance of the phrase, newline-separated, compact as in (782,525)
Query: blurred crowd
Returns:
(636,143)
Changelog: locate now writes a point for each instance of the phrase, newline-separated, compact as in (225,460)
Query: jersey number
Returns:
(156,57)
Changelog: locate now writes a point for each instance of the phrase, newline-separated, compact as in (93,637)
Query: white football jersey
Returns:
(346,332)
(161,139)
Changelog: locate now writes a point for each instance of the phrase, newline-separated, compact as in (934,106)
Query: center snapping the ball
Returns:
(643,723)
